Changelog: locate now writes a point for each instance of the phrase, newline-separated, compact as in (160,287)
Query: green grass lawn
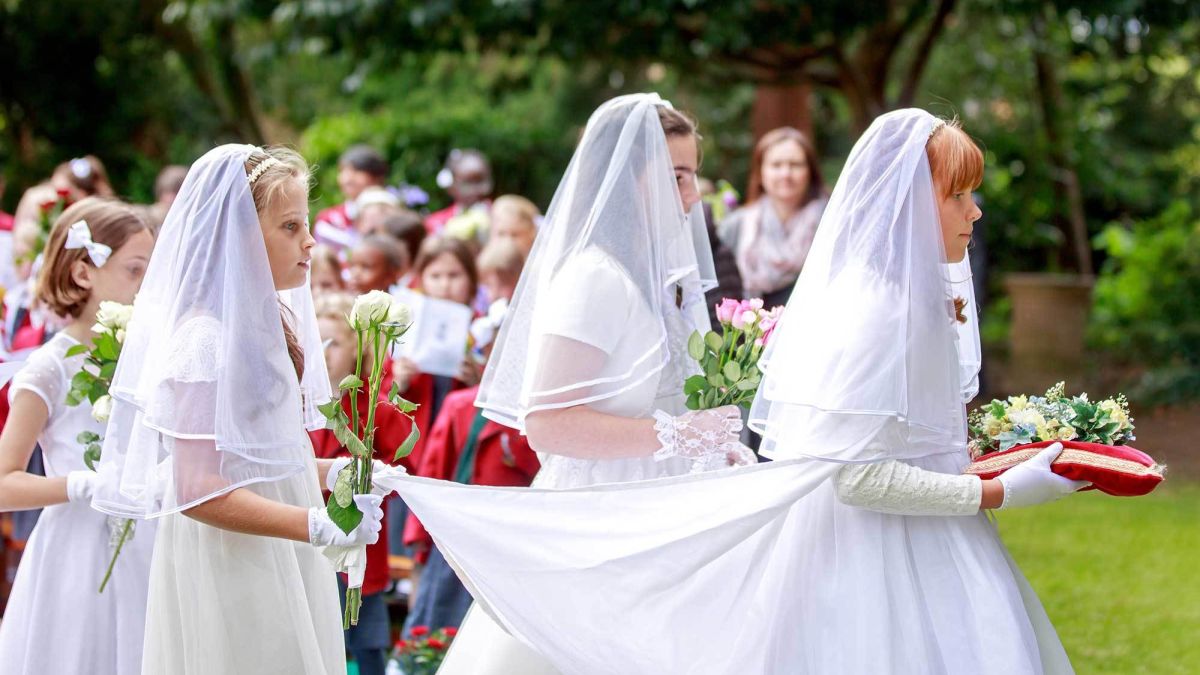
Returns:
(1118,576)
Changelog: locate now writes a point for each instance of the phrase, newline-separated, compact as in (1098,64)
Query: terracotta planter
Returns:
(1049,322)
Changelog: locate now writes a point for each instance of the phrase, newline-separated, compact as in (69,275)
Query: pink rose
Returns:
(754,304)
(727,309)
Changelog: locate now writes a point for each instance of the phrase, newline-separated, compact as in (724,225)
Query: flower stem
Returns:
(120,544)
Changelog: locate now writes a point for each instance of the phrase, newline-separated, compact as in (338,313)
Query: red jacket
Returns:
(391,430)
(503,456)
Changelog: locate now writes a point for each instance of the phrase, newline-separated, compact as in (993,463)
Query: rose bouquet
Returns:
(377,320)
(91,384)
(729,359)
(424,652)
(1095,437)
(48,212)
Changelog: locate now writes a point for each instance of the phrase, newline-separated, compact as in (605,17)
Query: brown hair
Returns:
(264,190)
(111,222)
(503,257)
(954,159)
(393,251)
(436,246)
(407,228)
(517,207)
(94,180)
(816,182)
(678,124)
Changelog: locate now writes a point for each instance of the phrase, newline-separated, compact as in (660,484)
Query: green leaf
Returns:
(714,342)
(91,455)
(345,517)
(98,389)
(331,410)
(717,380)
(402,404)
(76,350)
(693,401)
(710,398)
(343,486)
(108,370)
(74,397)
(733,371)
(746,385)
(351,381)
(712,367)
(695,345)
(350,441)
(82,380)
(107,347)
(86,437)
(409,443)
(694,384)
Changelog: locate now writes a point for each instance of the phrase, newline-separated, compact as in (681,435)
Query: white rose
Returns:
(370,309)
(121,335)
(102,408)
(399,313)
(112,315)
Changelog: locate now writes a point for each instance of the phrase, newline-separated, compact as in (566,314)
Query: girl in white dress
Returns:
(862,548)
(590,360)
(222,372)
(56,620)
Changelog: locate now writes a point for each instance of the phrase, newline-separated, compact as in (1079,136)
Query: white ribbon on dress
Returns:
(80,236)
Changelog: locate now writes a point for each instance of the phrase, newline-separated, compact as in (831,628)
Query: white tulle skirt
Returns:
(752,570)
(223,602)
(56,620)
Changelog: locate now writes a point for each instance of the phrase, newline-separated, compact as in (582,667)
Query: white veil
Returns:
(618,197)
(205,396)
(846,377)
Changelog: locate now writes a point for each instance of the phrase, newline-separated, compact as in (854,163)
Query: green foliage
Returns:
(1146,300)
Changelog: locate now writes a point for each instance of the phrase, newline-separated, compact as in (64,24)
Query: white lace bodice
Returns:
(47,373)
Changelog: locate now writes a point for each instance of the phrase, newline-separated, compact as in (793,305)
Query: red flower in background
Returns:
(63,193)
(46,206)
(419,631)
(435,643)
(401,644)
(450,631)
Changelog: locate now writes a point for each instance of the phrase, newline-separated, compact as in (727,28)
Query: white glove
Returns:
(80,486)
(699,435)
(1033,482)
(378,470)
(323,532)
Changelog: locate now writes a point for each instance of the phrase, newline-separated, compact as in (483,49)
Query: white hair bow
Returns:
(80,236)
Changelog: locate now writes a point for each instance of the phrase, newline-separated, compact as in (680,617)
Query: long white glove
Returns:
(80,486)
(379,470)
(1033,482)
(707,437)
(323,532)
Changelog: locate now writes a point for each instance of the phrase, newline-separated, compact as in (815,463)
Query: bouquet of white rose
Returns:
(91,384)
(377,320)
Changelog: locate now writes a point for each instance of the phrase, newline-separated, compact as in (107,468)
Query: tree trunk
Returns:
(1066,179)
(781,105)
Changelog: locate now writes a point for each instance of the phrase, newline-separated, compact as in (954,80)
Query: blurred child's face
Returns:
(119,279)
(370,219)
(515,230)
(369,270)
(445,278)
(685,156)
(496,285)
(472,181)
(339,348)
(352,182)
(785,172)
(326,278)
(285,231)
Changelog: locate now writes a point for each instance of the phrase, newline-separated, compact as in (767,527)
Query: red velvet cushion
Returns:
(1118,470)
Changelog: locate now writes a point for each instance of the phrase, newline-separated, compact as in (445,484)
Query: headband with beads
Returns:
(938,124)
(261,169)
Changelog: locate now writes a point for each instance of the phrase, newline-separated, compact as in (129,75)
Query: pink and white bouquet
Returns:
(729,359)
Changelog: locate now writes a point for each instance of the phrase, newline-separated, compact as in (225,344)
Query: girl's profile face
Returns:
(285,231)
(445,278)
(119,279)
(785,172)
(957,213)
(685,159)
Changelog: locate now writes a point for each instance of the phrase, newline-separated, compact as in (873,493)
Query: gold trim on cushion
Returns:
(1069,456)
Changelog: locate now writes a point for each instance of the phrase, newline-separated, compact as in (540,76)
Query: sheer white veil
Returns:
(868,362)
(618,197)
(205,395)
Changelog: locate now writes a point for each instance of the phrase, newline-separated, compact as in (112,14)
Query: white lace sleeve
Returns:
(898,488)
(193,356)
(41,375)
